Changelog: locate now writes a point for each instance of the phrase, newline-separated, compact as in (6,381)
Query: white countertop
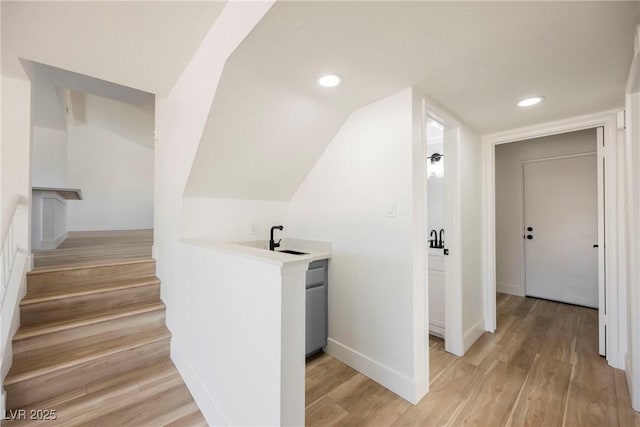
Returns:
(257,250)
(314,250)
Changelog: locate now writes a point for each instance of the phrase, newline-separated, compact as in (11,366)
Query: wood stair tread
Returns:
(45,270)
(194,419)
(93,344)
(37,329)
(40,361)
(165,402)
(86,288)
(108,396)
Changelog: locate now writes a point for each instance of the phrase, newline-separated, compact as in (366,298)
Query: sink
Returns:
(292,252)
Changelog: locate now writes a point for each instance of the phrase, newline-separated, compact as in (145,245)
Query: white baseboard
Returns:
(506,288)
(203,400)
(473,334)
(112,228)
(436,328)
(409,389)
(53,243)
(635,397)
(3,404)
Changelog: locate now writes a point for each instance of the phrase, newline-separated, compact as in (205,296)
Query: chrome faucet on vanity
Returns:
(272,243)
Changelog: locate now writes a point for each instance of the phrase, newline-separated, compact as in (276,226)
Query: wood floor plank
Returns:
(626,415)
(485,351)
(367,402)
(505,324)
(86,248)
(560,340)
(439,360)
(446,397)
(323,374)
(540,368)
(587,337)
(592,393)
(433,340)
(492,402)
(543,397)
(527,341)
(324,412)
(545,308)
(195,419)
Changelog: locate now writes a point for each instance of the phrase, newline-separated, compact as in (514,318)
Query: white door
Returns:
(561,229)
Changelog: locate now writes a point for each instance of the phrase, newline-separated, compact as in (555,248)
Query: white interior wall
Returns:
(180,120)
(632,222)
(233,220)
(116,179)
(129,121)
(16,152)
(366,172)
(15,188)
(509,268)
(49,110)
(49,158)
(470,152)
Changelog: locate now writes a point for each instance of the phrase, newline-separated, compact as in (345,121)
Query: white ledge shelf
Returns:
(66,193)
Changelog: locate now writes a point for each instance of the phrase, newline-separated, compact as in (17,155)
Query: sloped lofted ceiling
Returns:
(59,95)
(270,121)
(140,44)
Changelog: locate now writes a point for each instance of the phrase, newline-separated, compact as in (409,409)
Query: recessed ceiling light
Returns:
(330,80)
(531,101)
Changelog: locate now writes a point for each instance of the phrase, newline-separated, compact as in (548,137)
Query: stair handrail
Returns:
(9,249)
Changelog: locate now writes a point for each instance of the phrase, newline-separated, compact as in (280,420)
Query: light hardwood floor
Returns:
(91,247)
(540,368)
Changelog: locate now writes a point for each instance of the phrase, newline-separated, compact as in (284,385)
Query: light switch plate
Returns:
(391,208)
(254,228)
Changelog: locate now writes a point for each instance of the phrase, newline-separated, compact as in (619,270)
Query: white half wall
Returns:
(116,179)
(49,158)
(359,196)
(509,182)
(243,356)
(15,178)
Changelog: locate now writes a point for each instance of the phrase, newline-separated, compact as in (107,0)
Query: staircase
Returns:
(94,348)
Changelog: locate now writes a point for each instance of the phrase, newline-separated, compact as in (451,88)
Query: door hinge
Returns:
(621,119)
(603,319)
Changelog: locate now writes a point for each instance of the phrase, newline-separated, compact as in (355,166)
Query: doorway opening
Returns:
(435,227)
(442,233)
(549,219)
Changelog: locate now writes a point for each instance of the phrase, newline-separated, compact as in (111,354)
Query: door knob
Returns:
(529,228)
(529,236)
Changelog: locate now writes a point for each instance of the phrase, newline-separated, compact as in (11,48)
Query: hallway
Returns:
(540,368)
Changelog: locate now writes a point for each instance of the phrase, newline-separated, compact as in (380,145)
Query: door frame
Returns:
(615,317)
(453,332)
(523,270)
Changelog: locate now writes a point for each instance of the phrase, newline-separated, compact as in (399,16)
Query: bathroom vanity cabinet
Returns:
(436,294)
(316,307)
